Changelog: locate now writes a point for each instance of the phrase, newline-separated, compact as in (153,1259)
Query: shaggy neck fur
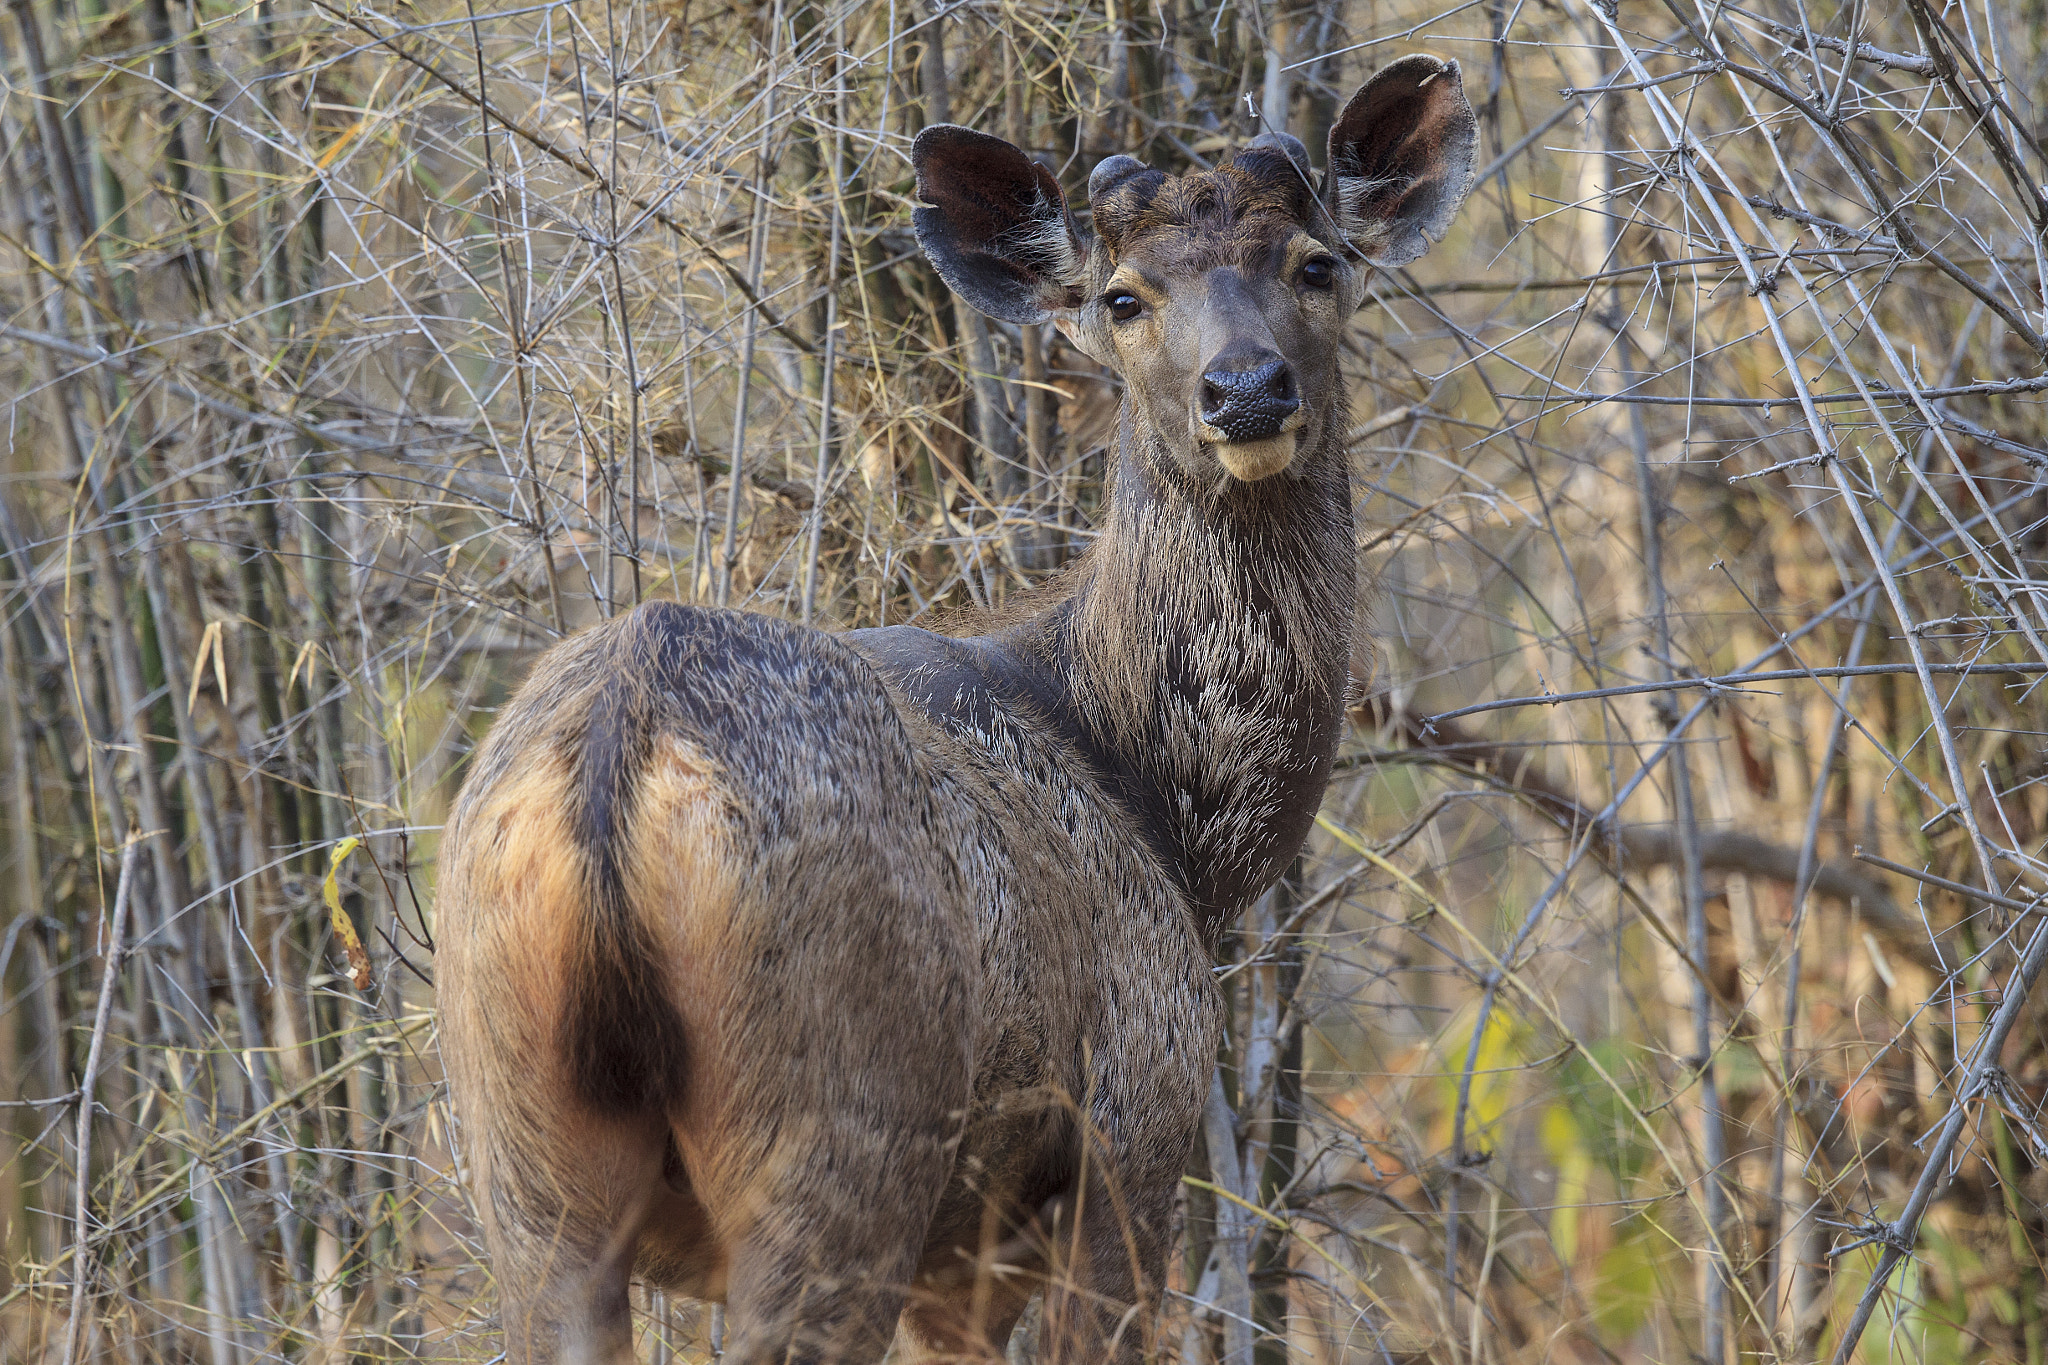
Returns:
(1201,657)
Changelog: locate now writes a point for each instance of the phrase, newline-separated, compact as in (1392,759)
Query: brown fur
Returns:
(1224,218)
(864,981)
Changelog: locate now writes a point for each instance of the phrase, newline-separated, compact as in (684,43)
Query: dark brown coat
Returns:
(864,977)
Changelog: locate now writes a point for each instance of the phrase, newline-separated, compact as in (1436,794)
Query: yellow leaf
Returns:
(344,927)
(1565,1145)
(1494,1075)
(340,144)
(209,643)
(1495,1071)
(1560,1134)
(305,653)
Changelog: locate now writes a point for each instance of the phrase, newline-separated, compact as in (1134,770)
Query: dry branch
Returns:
(353,352)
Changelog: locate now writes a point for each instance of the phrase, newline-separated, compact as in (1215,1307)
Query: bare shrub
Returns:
(1658,981)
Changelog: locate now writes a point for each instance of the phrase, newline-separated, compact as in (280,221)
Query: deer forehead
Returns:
(1243,214)
(1151,266)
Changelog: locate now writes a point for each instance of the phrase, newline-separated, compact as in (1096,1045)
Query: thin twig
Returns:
(1972,892)
(1735,682)
(116,949)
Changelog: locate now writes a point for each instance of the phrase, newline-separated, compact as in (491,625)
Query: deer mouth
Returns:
(1251,461)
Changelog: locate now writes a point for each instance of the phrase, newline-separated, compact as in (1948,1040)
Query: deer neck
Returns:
(1202,659)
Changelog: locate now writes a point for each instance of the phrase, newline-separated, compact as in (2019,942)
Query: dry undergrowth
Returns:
(357,350)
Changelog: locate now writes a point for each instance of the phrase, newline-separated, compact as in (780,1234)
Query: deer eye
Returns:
(1124,305)
(1320,273)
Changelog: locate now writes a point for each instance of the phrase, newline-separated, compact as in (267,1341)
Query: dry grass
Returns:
(357,351)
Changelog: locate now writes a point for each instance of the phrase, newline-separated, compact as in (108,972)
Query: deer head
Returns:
(1221,296)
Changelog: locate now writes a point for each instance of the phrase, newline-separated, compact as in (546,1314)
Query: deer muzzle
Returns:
(1250,411)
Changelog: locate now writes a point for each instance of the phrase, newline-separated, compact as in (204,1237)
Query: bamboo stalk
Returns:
(757,247)
(266,368)
(821,471)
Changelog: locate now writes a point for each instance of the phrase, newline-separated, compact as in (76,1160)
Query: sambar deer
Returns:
(864,981)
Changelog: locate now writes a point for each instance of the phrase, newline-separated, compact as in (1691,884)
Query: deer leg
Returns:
(967,1311)
(561,1217)
(965,1322)
(1102,1297)
(819,1274)
(788,1310)
(820,1182)
(678,1251)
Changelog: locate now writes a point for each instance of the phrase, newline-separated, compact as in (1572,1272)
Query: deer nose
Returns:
(1249,398)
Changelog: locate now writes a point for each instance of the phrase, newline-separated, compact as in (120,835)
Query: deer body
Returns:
(863,981)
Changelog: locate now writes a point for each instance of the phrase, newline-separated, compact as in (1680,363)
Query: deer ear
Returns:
(1401,159)
(997,226)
